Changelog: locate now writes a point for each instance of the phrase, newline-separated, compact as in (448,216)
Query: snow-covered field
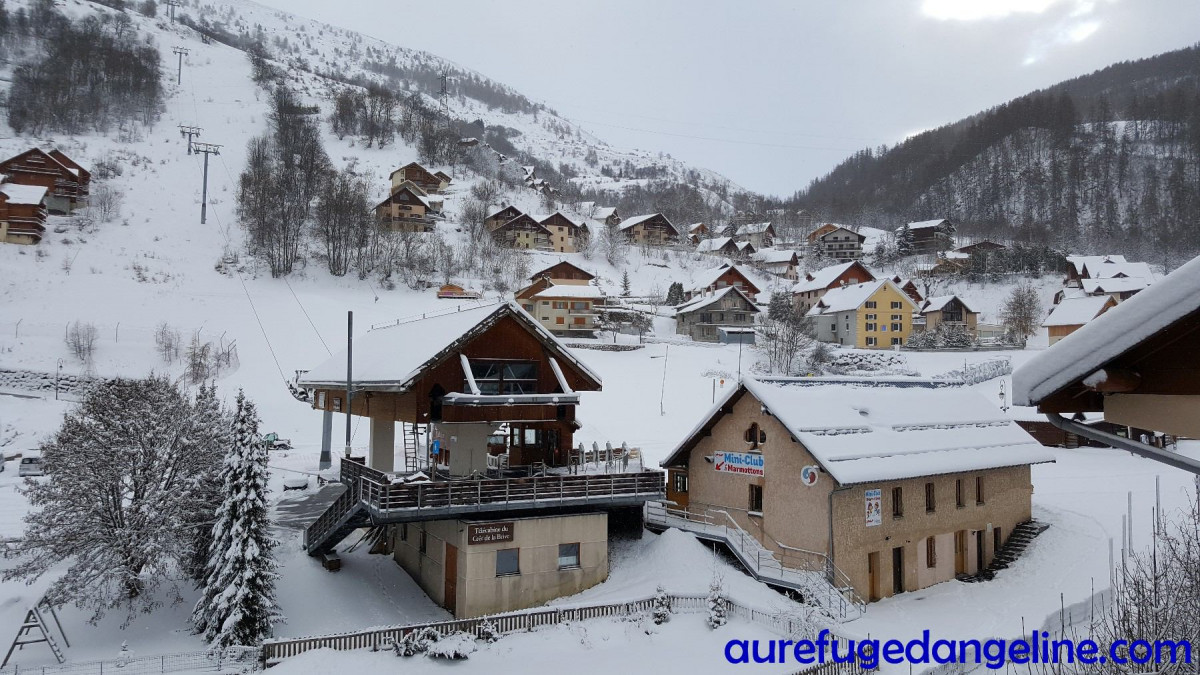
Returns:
(155,264)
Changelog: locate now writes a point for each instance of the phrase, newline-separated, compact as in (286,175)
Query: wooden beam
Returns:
(1114,380)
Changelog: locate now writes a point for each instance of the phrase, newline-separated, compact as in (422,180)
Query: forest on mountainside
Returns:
(1106,162)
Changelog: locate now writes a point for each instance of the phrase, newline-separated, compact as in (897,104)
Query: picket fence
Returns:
(235,659)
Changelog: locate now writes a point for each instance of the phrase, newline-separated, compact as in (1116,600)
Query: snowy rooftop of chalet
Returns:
(571,291)
(821,278)
(923,224)
(862,433)
(23,194)
(936,303)
(1111,270)
(1111,334)
(391,357)
(1116,285)
(1076,311)
(710,245)
(848,298)
(708,300)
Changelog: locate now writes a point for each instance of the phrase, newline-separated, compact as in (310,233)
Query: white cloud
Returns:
(976,10)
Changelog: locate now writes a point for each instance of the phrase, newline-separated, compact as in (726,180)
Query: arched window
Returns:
(755,436)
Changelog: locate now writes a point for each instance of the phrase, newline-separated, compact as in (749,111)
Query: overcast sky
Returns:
(771,93)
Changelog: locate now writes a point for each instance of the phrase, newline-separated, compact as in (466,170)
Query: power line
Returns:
(310,321)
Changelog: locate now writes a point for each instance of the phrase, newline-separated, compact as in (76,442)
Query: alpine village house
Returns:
(871,315)
(485,398)
(878,489)
(563,300)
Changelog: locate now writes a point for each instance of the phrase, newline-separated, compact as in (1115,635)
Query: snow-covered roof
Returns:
(708,277)
(922,224)
(753,228)
(603,212)
(392,357)
(848,298)
(23,194)
(743,245)
(842,228)
(1116,285)
(1111,270)
(936,303)
(710,245)
(502,209)
(821,278)
(1076,311)
(861,433)
(773,255)
(1111,334)
(635,220)
(1081,261)
(570,291)
(703,301)
(695,226)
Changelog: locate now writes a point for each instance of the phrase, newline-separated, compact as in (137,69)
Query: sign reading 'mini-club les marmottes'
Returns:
(745,463)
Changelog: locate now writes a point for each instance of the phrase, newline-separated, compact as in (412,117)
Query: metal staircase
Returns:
(1020,539)
(813,575)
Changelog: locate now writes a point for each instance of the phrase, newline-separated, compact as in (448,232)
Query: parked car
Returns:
(274,442)
(30,466)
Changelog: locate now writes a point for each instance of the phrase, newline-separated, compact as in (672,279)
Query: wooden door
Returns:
(979,564)
(960,552)
(997,541)
(898,570)
(873,576)
(450,564)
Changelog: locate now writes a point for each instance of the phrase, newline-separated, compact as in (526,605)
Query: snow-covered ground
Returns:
(155,264)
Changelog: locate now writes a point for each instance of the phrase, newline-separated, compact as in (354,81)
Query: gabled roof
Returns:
(638,220)
(923,224)
(393,358)
(822,278)
(1114,285)
(696,226)
(562,263)
(69,163)
(23,194)
(524,218)
(862,432)
(743,245)
(411,164)
(1110,335)
(775,255)
(840,228)
(713,245)
(937,303)
(543,219)
(703,301)
(754,228)
(1112,270)
(582,291)
(1077,311)
(502,210)
(849,298)
(708,277)
(603,212)
(51,161)
(1081,261)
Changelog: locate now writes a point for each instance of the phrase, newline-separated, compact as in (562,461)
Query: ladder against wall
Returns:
(416,446)
(35,629)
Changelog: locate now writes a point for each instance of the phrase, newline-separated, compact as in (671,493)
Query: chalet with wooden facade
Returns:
(486,400)
(1118,288)
(946,309)
(444,178)
(712,280)
(818,232)
(1071,314)
(566,308)
(931,236)
(564,272)
(816,284)
(603,215)
(22,213)
(698,232)
(424,178)
(857,491)
(910,288)
(717,315)
(720,246)
(760,235)
(871,315)
(652,229)
(778,262)
(566,235)
(840,244)
(980,247)
(67,183)
(407,209)
(524,232)
(1137,365)
(500,217)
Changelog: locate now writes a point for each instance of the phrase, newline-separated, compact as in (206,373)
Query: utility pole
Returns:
(207,149)
(444,95)
(171,5)
(190,132)
(349,373)
(181,52)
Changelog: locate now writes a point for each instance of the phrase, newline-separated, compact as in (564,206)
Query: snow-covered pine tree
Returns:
(212,436)
(716,605)
(237,605)
(905,242)
(662,606)
(625,284)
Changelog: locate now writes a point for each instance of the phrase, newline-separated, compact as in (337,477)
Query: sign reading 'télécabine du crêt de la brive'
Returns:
(489,533)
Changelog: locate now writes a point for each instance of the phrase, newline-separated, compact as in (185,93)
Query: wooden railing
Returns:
(383,638)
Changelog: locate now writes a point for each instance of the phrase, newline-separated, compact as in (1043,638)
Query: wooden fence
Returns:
(383,638)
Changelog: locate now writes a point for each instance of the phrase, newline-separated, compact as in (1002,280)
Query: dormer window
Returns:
(755,436)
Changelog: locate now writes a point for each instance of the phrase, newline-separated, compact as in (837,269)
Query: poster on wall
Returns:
(745,463)
(874,507)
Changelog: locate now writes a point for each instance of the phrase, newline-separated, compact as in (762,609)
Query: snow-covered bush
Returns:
(662,606)
(487,632)
(848,362)
(975,373)
(455,646)
(417,642)
(954,336)
(717,612)
(922,339)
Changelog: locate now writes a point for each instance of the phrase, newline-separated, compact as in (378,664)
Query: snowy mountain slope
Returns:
(307,46)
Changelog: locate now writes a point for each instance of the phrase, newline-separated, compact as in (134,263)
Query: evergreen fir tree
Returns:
(905,242)
(237,604)
(675,294)
(662,606)
(625,284)
(716,605)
